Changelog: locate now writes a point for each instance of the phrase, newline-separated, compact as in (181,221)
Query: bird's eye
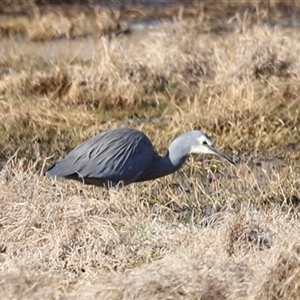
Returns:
(204,142)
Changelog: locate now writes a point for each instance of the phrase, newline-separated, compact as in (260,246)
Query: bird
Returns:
(122,156)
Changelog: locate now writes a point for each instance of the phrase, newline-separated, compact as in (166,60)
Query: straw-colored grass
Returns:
(146,242)
(210,231)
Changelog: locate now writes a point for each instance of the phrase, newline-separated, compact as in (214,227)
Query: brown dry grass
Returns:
(51,21)
(62,240)
(209,232)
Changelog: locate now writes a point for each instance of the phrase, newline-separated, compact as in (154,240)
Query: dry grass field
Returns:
(210,231)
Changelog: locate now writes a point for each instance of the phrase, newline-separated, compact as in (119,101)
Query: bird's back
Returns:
(118,155)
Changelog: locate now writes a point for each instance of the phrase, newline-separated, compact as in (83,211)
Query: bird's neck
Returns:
(162,166)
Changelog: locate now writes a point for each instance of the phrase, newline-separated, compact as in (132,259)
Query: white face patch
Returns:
(202,147)
(204,140)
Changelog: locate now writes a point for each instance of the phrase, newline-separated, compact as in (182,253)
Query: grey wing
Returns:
(116,155)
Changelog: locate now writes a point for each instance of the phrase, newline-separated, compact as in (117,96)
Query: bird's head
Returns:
(203,144)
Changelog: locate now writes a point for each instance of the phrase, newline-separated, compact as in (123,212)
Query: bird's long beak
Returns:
(215,151)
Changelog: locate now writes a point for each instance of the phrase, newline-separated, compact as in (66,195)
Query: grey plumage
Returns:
(127,155)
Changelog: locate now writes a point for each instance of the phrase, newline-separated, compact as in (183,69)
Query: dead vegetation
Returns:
(45,20)
(209,232)
(64,240)
(242,87)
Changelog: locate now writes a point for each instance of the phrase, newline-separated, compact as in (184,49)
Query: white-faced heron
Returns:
(123,156)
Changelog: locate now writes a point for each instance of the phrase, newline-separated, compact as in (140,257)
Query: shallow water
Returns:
(141,3)
(133,32)
(83,48)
